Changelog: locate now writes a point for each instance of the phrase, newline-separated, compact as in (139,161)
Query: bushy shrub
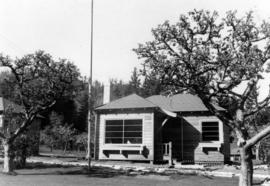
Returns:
(23,147)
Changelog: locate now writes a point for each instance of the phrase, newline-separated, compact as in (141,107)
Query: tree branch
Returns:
(217,113)
(249,89)
(255,139)
(23,126)
(259,106)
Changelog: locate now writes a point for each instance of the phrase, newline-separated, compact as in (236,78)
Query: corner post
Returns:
(170,154)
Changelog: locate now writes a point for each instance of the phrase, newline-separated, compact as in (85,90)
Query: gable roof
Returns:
(5,104)
(132,101)
(181,103)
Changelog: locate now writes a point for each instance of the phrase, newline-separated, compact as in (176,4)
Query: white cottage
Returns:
(134,128)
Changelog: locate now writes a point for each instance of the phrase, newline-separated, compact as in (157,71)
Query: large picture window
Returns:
(123,131)
(210,131)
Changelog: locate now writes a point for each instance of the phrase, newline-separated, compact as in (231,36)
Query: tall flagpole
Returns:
(90,90)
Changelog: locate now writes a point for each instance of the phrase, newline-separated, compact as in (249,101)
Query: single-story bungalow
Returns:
(153,128)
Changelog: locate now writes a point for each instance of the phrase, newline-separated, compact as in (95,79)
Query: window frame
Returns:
(123,119)
(220,128)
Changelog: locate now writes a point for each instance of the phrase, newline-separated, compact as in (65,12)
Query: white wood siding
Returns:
(147,139)
(196,122)
(196,142)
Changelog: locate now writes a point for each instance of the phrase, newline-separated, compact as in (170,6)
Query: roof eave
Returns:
(124,109)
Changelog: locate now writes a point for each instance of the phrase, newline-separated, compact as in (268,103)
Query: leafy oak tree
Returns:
(39,82)
(209,56)
(151,85)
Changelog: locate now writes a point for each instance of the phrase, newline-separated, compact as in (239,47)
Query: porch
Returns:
(185,142)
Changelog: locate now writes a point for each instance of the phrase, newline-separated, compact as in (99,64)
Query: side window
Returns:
(210,131)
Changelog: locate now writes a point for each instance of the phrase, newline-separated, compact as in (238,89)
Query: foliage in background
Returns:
(152,85)
(134,84)
(81,141)
(118,89)
(58,135)
(140,83)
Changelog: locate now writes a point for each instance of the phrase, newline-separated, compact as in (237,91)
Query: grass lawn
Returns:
(54,175)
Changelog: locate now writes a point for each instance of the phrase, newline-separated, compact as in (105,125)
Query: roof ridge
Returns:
(120,103)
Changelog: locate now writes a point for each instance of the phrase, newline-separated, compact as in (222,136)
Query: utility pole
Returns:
(90,90)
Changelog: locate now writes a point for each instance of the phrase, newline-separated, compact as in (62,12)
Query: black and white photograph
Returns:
(134,92)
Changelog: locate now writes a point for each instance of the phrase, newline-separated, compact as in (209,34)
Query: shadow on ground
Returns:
(56,169)
(105,172)
(98,172)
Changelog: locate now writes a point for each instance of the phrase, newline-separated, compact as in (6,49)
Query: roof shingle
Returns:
(128,102)
(180,103)
(176,103)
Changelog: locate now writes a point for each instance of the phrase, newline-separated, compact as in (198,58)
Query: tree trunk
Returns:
(246,177)
(258,151)
(8,159)
(65,147)
(51,147)
(20,158)
(20,161)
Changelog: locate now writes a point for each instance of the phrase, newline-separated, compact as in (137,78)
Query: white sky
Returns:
(62,28)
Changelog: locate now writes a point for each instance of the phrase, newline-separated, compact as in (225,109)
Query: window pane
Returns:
(133,134)
(133,122)
(113,140)
(132,140)
(114,134)
(210,138)
(114,131)
(114,128)
(210,124)
(133,131)
(133,128)
(114,122)
(210,128)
